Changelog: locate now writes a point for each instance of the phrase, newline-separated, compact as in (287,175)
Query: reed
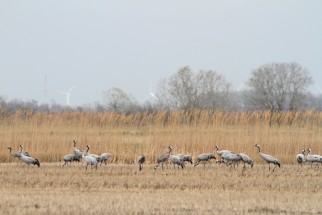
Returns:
(48,136)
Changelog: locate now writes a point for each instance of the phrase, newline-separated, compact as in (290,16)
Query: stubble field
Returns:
(118,187)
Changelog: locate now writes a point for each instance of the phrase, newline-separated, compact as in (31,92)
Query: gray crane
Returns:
(185,158)
(97,157)
(90,161)
(313,158)
(176,161)
(163,158)
(300,158)
(246,160)
(205,157)
(104,157)
(77,151)
(14,154)
(269,159)
(141,160)
(231,158)
(221,152)
(69,158)
(27,159)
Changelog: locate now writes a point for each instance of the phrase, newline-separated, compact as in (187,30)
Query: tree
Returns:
(117,100)
(278,87)
(186,90)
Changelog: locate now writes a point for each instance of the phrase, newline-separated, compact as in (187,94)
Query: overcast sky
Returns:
(52,45)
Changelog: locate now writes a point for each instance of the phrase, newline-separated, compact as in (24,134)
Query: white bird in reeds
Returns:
(163,158)
(176,161)
(27,159)
(205,157)
(141,160)
(69,158)
(313,158)
(269,159)
(300,158)
(185,158)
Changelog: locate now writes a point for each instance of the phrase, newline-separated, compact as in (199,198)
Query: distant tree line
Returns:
(275,87)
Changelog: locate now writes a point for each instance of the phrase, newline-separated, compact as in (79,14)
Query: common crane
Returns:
(69,158)
(27,159)
(163,158)
(231,158)
(313,158)
(77,151)
(90,161)
(269,159)
(141,160)
(221,152)
(246,160)
(14,154)
(104,157)
(176,161)
(185,158)
(300,158)
(205,157)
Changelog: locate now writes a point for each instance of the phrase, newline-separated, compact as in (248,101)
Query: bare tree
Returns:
(184,89)
(117,100)
(278,87)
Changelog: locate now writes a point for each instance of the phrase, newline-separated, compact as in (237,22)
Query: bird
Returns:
(269,159)
(176,161)
(185,158)
(313,158)
(14,154)
(246,160)
(89,160)
(77,151)
(163,158)
(205,157)
(97,157)
(221,152)
(69,158)
(28,160)
(231,158)
(300,158)
(141,160)
(104,157)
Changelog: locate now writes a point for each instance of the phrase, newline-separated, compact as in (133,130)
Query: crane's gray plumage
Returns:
(185,158)
(14,154)
(221,152)
(163,158)
(141,160)
(205,157)
(247,160)
(300,158)
(69,158)
(230,158)
(97,157)
(90,161)
(176,161)
(269,159)
(104,157)
(77,151)
(313,158)
(27,159)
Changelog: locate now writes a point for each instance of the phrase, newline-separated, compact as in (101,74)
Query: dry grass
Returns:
(120,189)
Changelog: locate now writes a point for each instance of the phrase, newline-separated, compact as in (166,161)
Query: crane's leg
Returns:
(274,168)
(269,167)
(196,164)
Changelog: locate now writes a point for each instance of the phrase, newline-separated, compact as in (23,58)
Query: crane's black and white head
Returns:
(216,148)
(256,145)
(303,151)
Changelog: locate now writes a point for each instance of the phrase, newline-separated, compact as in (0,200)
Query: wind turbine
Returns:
(152,98)
(67,94)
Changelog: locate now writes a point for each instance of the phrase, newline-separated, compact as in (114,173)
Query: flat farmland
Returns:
(118,187)
(121,189)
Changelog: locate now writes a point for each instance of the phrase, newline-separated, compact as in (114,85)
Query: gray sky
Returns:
(96,45)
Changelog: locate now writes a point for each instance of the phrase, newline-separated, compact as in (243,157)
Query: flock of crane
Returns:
(226,156)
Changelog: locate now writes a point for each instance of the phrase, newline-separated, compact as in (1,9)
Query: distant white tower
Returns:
(67,94)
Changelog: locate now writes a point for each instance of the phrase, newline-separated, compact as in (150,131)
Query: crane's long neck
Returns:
(87,149)
(170,149)
(10,150)
(21,147)
(259,149)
